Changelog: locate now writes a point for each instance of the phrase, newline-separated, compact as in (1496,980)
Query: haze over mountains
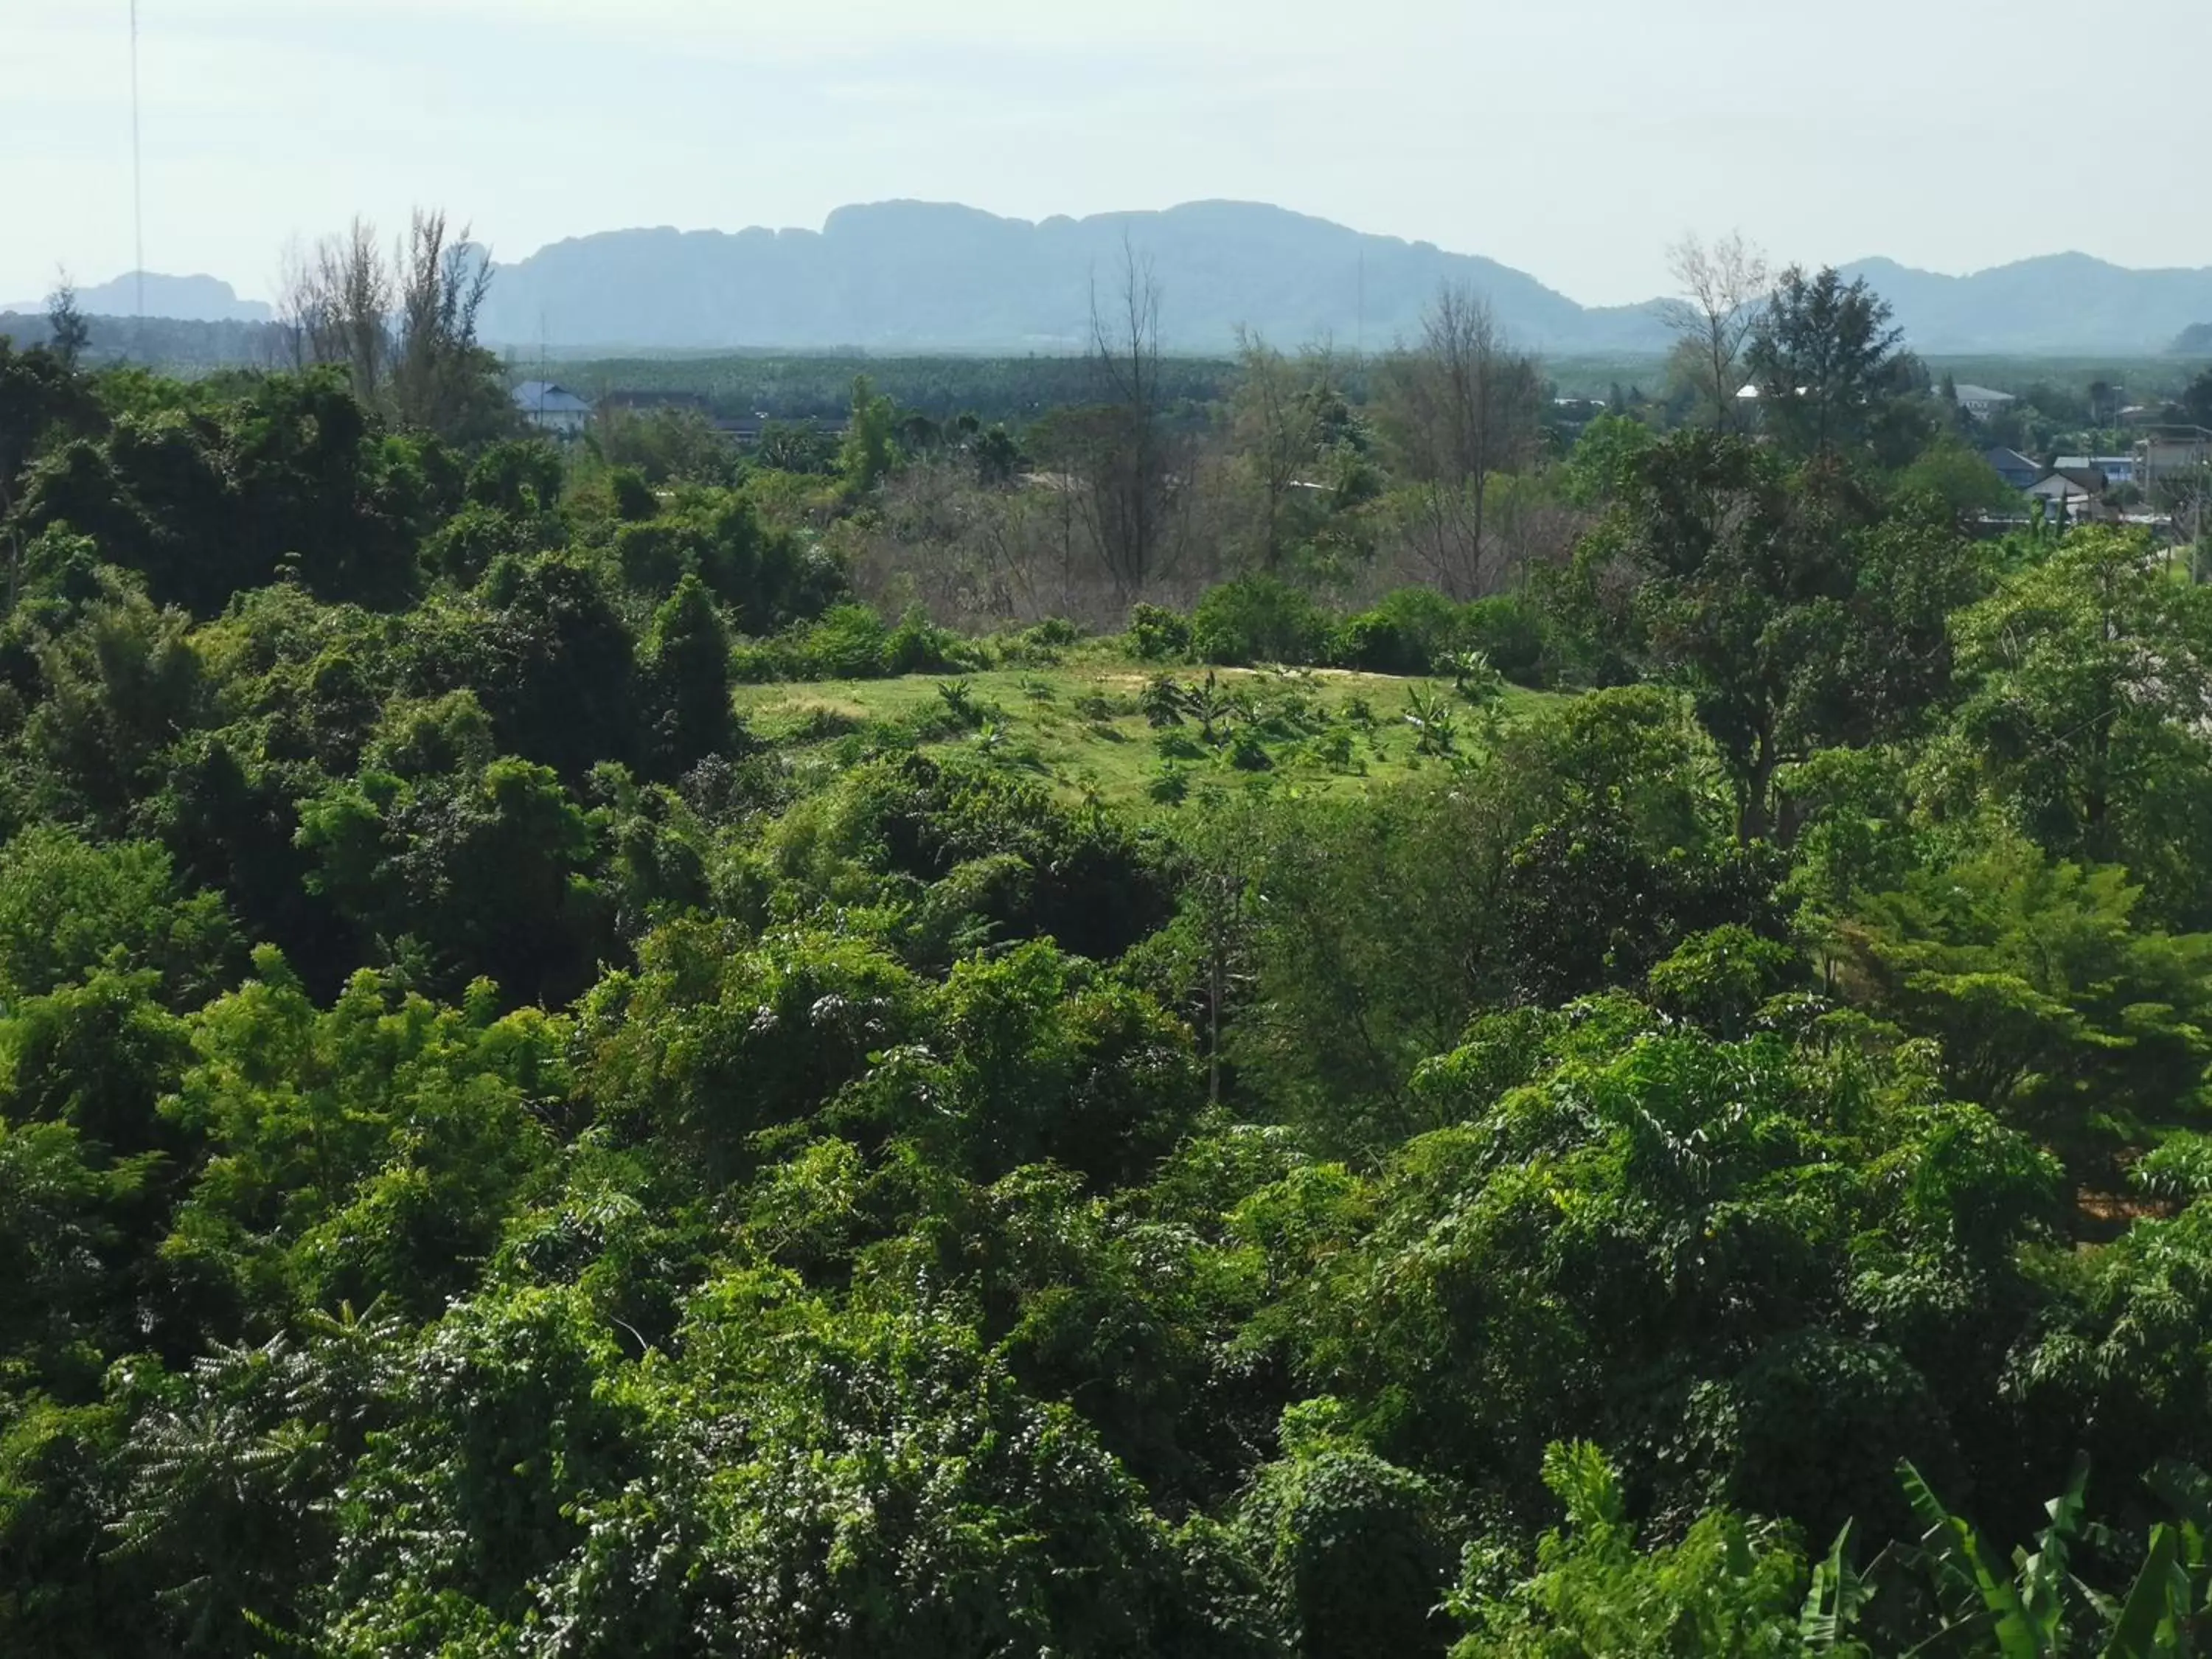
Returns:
(185,299)
(911,276)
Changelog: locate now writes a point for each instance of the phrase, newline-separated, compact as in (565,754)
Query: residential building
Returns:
(2074,493)
(550,407)
(2171,452)
(1981,403)
(2016,469)
(2117,469)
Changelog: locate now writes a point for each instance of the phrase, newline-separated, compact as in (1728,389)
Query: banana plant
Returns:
(1838,1594)
(1214,710)
(959,698)
(1436,731)
(1164,702)
(2024,1614)
(1474,678)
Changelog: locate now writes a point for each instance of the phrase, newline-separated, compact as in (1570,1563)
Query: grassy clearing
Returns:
(1082,726)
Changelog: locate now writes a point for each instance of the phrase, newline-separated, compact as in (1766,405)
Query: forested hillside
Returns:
(1539,1034)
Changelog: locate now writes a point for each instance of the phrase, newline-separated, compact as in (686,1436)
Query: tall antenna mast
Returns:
(138,180)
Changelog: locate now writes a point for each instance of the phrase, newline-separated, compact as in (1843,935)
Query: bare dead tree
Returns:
(1723,293)
(1275,430)
(1459,407)
(401,323)
(1126,454)
(334,305)
(354,283)
(440,283)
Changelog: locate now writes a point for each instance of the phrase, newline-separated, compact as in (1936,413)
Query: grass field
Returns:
(1083,727)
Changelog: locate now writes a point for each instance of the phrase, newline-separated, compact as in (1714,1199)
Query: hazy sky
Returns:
(1573,138)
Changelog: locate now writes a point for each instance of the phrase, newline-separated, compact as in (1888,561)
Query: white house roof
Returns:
(1982,394)
(548,397)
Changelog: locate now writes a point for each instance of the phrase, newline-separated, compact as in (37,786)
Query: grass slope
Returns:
(1081,727)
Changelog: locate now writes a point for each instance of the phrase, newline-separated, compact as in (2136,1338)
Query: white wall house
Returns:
(552,408)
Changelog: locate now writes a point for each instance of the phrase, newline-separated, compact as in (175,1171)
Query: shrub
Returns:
(764,664)
(1407,632)
(917,646)
(1334,750)
(634,500)
(465,547)
(653,557)
(1157,634)
(1257,619)
(849,642)
(1508,630)
(1247,754)
(1036,646)
(1375,644)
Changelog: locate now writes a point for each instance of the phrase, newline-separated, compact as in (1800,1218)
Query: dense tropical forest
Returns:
(1318,1023)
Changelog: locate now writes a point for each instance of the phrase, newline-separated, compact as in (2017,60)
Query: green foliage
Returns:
(2052,1007)
(1509,631)
(291,477)
(1955,474)
(68,906)
(483,870)
(1721,979)
(550,656)
(868,450)
(1827,364)
(686,669)
(1606,457)
(851,642)
(1157,634)
(1728,1586)
(1257,619)
(2089,672)
(1352,1547)
(1628,1214)
(369,1150)
(1408,632)
(1770,598)
(1018,1146)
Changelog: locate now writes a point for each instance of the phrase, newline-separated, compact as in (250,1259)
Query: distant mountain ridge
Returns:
(914,276)
(2059,304)
(906,276)
(181,299)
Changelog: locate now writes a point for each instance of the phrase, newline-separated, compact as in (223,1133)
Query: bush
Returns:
(1508,630)
(1258,619)
(1036,646)
(849,642)
(1170,786)
(632,496)
(653,557)
(917,646)
(1247,753)
(1434,625)
(1375,644)
(463,548)
(1157,634)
